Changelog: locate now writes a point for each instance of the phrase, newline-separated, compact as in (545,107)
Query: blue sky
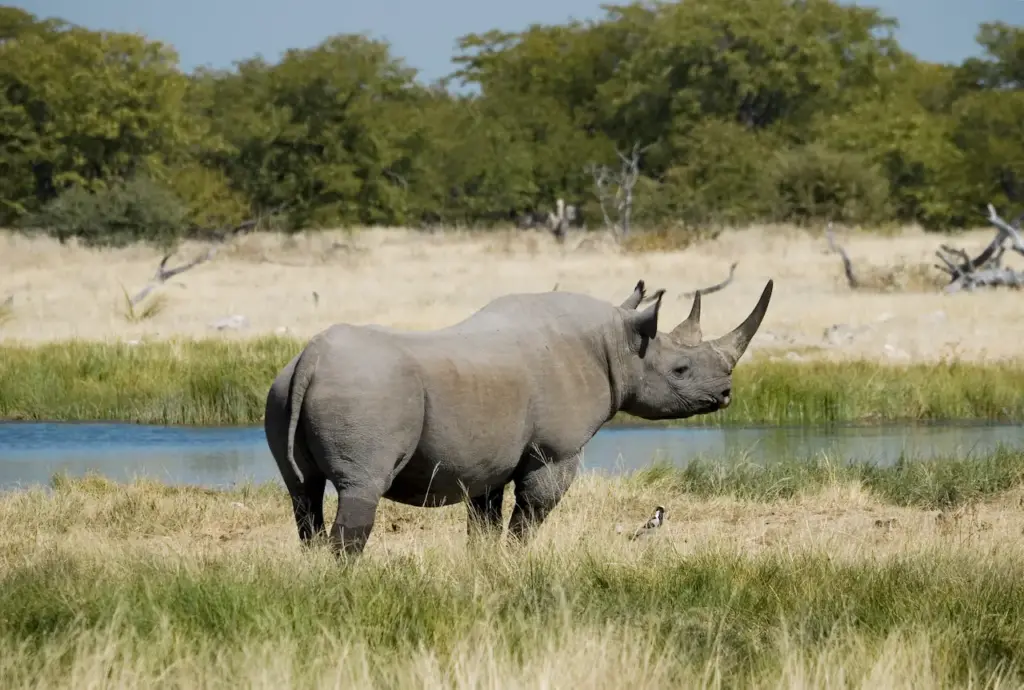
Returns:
(217,32)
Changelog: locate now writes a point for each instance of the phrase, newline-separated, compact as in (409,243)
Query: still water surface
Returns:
(30,453)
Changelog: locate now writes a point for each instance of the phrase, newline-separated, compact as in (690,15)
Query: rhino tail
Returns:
(303,374)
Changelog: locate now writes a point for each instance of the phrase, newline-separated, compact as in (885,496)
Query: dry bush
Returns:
(667,238)
(905,276)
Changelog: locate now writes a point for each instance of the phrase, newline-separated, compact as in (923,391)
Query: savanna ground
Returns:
(809,575)
(408,279)
(804,574)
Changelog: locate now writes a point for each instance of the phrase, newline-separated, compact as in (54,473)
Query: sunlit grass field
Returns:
(299,284)
(802,574)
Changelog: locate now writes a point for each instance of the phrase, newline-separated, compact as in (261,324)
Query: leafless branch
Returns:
(717,286)
(621,199)
(163,274)
(601,175)
(985,270)
(851,279)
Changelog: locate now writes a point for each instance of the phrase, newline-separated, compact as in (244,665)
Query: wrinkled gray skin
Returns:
(511,394)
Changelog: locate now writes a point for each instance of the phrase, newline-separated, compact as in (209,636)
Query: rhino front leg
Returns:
(483,513)
(539,487)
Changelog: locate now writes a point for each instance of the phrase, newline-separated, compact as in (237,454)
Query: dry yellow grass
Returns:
(842,520)
(141,527)
(414,280)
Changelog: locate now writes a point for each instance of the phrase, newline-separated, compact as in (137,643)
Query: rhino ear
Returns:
(646,322)
(634,300)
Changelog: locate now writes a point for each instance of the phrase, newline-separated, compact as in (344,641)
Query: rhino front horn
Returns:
(735,343)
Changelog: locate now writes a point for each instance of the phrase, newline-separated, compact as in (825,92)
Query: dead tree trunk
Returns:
(984,270)
(558,222)
(851,279)
(621,199)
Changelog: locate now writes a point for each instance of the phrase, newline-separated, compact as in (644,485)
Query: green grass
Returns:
(936,483)
(741,615)
(225,383)
(129,585)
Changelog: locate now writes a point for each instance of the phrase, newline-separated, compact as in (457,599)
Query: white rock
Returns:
(234,322)
(894,352)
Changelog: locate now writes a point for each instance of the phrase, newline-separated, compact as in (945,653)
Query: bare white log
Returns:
(558,221)
(985,270)
(965,273)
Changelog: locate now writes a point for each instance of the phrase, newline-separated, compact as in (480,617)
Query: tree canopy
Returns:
(743,111)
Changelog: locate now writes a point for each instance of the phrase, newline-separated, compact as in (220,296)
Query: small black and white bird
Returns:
(652,524)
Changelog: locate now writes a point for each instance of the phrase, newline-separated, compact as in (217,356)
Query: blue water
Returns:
(30,453)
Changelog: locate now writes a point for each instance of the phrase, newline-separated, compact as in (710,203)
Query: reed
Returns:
(225,382)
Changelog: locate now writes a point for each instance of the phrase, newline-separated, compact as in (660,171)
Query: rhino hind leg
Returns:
(483,513)
(307,491)
(308,507)
(540,485)
(357,512)
(361,477)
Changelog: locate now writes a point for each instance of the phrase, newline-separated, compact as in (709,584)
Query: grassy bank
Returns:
(842,580)
(216,382)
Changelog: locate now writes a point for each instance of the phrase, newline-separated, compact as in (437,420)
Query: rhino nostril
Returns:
(726,393)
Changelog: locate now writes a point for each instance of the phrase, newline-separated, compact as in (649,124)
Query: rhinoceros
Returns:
(511,394)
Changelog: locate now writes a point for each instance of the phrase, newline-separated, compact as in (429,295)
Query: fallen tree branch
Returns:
(703,291)
(713,288)
(163,274)
(985,270)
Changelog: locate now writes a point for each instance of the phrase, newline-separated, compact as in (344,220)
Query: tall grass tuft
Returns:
(147,585)
(222,382)
(189,382)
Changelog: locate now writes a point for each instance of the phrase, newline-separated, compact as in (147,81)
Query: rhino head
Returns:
(676,375)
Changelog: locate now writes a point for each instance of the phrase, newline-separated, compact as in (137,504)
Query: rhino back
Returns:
(524,369)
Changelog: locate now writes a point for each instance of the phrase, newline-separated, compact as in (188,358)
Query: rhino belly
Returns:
(427,482)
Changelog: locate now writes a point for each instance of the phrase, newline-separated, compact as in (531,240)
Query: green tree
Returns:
(81,108)
(320,133)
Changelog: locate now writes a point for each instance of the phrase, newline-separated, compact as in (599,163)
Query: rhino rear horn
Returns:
(688,332)
(735,343)
(634,300)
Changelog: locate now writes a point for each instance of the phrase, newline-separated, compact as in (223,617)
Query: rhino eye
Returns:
(680,369)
